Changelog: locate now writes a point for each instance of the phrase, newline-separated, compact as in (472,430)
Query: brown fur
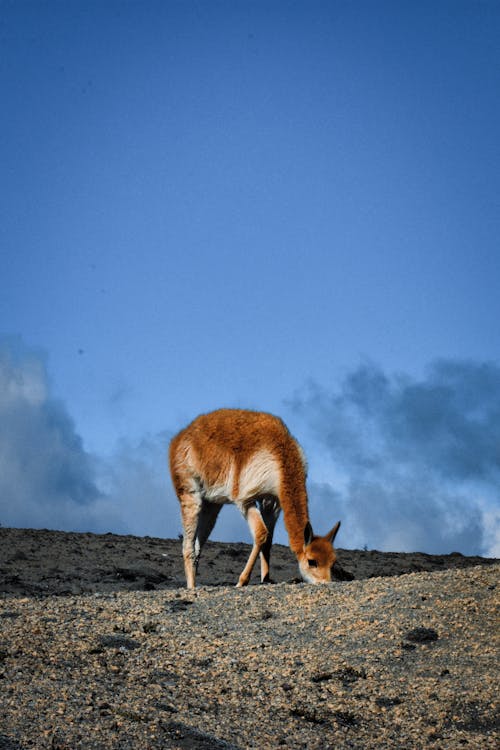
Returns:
(249,459)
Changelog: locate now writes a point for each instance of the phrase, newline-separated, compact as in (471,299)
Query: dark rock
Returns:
(203,663)
(307,714)
(349,675)
(180,605)
(386,702)
(421,635)
(118,642)
(321,677)
(408,646)
(265,615)
(473,716)
(167,707)
(345,718)
(188,738)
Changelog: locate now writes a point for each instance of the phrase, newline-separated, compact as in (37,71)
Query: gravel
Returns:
(401,662)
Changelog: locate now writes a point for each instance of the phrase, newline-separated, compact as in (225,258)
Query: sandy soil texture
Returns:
(124,658)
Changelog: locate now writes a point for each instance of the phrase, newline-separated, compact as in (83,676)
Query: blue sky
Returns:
(249,204)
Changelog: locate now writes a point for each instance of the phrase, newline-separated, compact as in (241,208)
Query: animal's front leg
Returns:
(259,533)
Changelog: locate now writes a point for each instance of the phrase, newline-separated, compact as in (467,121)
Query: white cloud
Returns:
(491,525)
(49,480)
(414,456)
(409,465)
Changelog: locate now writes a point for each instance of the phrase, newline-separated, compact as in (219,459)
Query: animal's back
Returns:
(234,452)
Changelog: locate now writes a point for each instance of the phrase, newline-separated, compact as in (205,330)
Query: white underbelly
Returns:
(260,476)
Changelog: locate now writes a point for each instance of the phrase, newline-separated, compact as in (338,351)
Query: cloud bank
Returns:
(46,477)
(415,463)
(406,464)
(49,480)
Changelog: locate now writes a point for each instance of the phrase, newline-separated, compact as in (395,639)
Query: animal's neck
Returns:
(293,499)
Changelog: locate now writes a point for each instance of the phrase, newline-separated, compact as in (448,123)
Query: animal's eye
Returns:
(312,563)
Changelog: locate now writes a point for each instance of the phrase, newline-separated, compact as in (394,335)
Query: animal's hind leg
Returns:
(206,522)
(269,508)
(190,511)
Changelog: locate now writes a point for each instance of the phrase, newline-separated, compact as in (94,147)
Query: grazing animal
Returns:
(250,459)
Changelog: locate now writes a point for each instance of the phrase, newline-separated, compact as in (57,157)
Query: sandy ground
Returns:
(102,647)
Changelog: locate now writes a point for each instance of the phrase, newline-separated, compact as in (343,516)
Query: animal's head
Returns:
(318,556)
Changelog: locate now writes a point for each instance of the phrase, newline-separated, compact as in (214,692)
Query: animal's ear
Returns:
(308,534)
(333,533)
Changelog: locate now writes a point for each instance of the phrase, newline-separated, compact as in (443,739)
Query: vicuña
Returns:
(250,459)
